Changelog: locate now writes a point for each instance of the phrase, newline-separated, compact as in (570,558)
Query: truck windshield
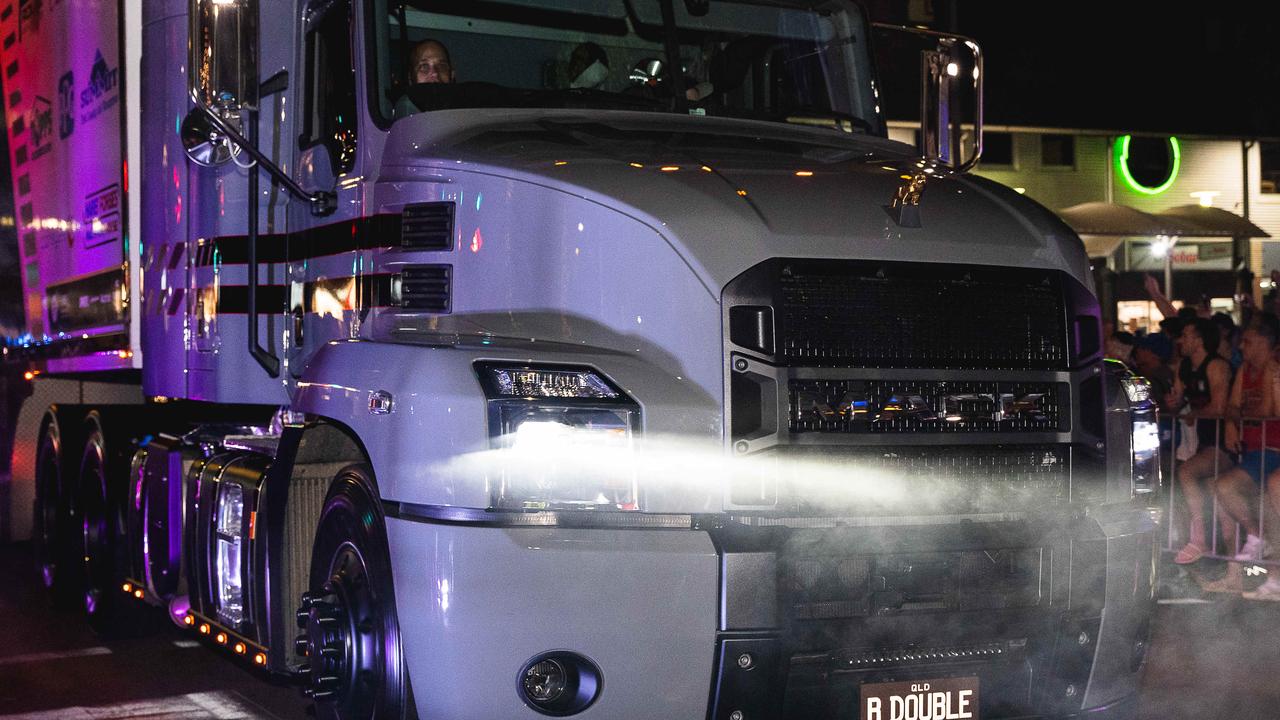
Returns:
(778,60)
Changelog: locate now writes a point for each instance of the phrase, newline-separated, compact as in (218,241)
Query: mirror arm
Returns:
(268,360)
(979,77)
(321,202)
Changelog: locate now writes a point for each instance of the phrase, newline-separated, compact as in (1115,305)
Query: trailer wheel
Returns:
(353,664)
(55,533)
(110,611)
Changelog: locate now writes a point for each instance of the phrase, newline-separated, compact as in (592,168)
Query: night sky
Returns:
(1131,66)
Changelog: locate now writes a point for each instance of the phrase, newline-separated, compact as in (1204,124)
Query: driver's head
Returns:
(429,63)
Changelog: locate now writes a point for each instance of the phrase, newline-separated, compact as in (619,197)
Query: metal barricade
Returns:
(1179,515)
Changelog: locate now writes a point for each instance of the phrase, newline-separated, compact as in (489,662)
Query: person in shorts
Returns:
(1203,383)
(1253,398)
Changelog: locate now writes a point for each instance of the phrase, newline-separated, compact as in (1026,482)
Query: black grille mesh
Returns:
(927,480)
(426,288)
(891,406)
(427,226)
(858,315)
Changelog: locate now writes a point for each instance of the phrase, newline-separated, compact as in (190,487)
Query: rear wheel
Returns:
(55,528)
(354,666)
(109,610)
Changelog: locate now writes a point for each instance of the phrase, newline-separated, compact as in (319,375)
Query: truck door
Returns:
(325,264)
(217,212)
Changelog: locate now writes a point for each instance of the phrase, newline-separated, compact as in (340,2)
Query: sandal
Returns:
(1189,553)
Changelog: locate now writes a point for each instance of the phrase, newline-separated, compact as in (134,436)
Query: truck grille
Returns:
(935,480)
(898,315)
(897,406)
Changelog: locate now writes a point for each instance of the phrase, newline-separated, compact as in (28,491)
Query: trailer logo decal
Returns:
(66,105)
(102,216)
(100,95)
(41,124)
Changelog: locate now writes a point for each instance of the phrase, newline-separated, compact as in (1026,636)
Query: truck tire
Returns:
(354,664)
(55,529)
(104,547)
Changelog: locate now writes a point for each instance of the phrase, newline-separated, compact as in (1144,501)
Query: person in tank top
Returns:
(1203,383)
(1253,397)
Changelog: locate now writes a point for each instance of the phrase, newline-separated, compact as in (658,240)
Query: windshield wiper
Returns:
(826,118)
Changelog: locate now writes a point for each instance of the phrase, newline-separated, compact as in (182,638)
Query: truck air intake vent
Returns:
(426,288)
(896,406)
(850,313)
(934,480)
(427,226)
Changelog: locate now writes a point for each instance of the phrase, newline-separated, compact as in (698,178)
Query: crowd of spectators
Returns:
(1221,382)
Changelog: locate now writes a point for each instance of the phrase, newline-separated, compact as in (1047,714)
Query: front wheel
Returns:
(353,666)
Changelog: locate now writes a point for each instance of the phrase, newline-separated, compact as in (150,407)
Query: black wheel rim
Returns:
(47,514)
(346,637)
(95,533)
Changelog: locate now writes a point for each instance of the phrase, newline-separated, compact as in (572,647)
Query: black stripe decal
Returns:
(373,290)
(234,299)
(366,233)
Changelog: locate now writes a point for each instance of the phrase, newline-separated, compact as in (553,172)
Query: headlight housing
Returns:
(228,535)
(566,437)
(1145,442)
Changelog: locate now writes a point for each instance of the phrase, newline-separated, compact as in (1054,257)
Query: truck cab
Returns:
(604,358)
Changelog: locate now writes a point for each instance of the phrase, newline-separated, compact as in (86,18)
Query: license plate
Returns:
(941,699)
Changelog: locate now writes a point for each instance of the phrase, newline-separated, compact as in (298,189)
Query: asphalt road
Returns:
(1209,660)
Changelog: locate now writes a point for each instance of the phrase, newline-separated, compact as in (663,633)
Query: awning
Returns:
(1102,218)
(1102,246)
(1215,221)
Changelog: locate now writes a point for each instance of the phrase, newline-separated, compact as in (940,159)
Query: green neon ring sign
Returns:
(1122,166)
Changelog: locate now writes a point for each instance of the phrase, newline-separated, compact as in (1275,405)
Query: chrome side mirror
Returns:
(951,78)
(951,83)
(203,143)
(223,66)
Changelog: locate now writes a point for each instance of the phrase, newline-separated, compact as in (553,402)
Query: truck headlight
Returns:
(1146,435)
(566,438)
(227,555)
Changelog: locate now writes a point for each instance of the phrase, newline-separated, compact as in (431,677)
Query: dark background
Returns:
(1193,68)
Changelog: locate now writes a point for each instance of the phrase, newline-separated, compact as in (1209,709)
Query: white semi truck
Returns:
(598,358)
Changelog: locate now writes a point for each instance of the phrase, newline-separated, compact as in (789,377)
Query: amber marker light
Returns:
(636,165)
(138,594)
(260,659)
(29,375)
(188,620)
(804,173)
(706,169)
(204,628)
(128,587)
(239,648)
(669,168)
(742,193)
(221,638)
(561,163)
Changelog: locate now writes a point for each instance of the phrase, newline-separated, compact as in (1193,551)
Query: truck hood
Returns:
(729,193)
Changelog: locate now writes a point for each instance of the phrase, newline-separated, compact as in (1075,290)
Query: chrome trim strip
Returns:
(582,519)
